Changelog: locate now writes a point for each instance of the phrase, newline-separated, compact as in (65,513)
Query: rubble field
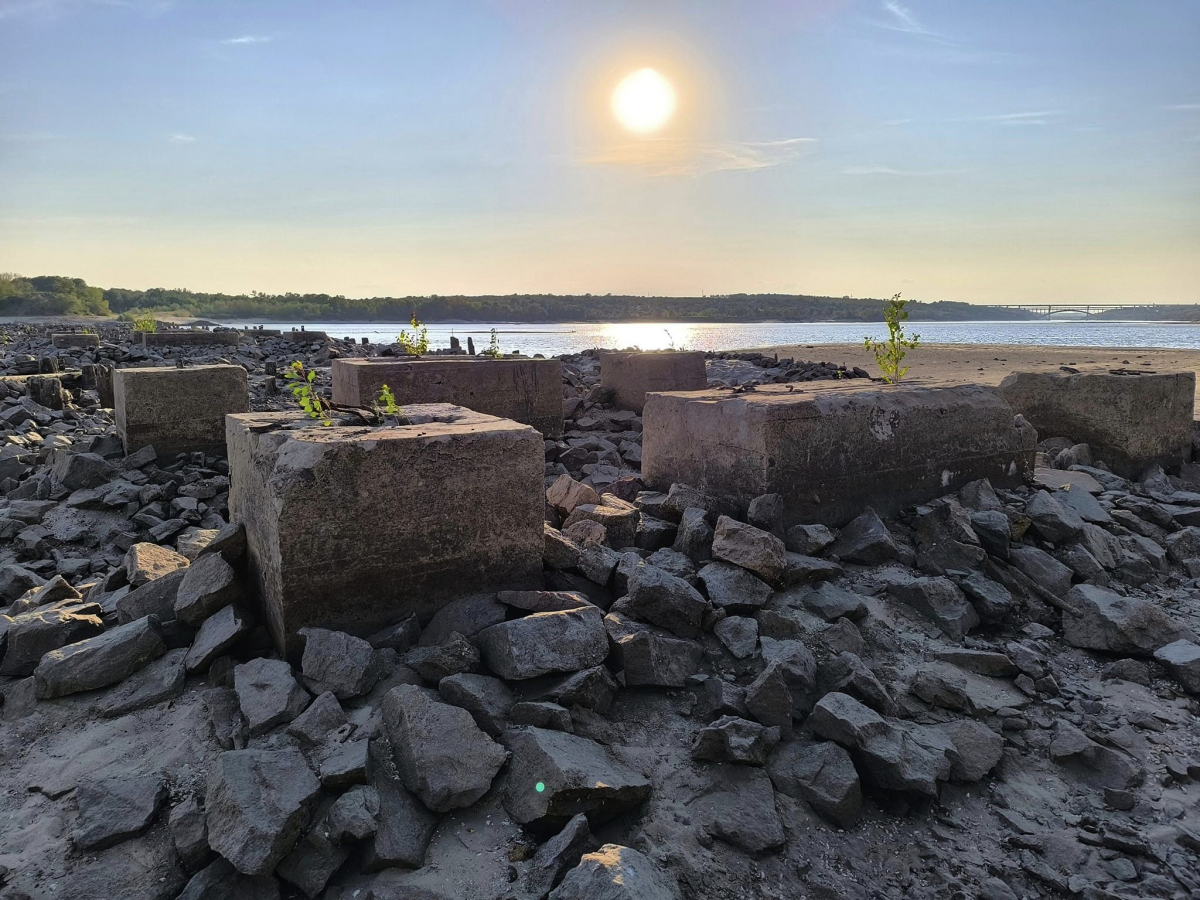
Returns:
(993,694)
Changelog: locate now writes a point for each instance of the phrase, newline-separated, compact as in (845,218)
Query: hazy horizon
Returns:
(987,153)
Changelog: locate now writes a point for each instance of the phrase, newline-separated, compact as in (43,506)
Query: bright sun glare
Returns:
(643,101)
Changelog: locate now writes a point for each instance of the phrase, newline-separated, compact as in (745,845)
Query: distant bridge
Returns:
(1048,310)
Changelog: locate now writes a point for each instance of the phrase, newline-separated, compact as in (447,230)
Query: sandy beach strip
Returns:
(934,364)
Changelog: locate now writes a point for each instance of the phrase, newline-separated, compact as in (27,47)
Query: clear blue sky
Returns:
(1021,150)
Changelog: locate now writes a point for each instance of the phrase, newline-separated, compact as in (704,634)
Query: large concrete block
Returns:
(352,528)
(189,338)
(177,410)
(634,375)
(63,341)
(1129,421)
(831,450)
(524,390)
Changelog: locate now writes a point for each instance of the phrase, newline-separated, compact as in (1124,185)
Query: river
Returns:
(571,337)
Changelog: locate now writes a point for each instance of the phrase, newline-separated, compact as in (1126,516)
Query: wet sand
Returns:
(990,363)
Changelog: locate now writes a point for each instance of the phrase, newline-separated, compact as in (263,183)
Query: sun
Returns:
(643,101)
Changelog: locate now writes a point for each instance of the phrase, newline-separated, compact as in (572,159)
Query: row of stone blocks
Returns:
(354,527)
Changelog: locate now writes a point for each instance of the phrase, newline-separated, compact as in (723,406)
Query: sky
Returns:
(993,152)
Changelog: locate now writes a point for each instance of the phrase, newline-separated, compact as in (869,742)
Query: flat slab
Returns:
(633,375)
(524,390)
(354,528)
(1130,422)
(831,450)
(177,410)
(1056,479)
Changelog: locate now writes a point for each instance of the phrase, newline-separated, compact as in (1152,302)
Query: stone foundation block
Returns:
(63,341)
(189,338)
(177,410)
(832,450)
(634,375)
(524,390)
(353,528)
(1130,421)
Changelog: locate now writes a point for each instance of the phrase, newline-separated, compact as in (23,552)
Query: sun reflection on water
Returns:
(648,335)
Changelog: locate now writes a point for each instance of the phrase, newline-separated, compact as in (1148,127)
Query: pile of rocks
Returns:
(995,695)
(735,369)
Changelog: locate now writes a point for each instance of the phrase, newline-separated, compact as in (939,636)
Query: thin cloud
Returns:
(901,173)
(901,19)
(667,157)
(179,138)
(1184,107)
(1037,117)
(249,39)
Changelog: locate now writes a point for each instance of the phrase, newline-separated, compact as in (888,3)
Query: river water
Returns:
(571,337)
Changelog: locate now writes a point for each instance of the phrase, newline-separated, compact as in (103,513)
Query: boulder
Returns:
(257,804)
(323,717)
(940,600)
(977,749)
(189,833)
(592,688)
(738,634)
(1103,620)
(116,808)
(866,541)
(831,602)
(769,699)
(648,657)
(823,775)
(808,540)
(562,852)
(548,642)
(991,600)
(33,634)
(154,598)
(146,562)
(338,662)
(667,601)
(616,873)
(220,632)
(620,519)
(466,616)
(210,583)
(219,880)
(403,826)
(732,586)
(1042,568)
(268,694)
(737,805)
(441,754)
(1184,544)
(799,668)
(566,493)
(694,537)
(751,548)
(575,775)
(433,664)
(485,698)
(161,680)
(1053,521)
(735,740)
(99,661)
(1182,659)
(352,816)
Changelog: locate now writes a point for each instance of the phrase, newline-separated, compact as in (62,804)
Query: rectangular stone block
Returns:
(63,341)
(353,528)
(177,410)
(634,375)
(189,339)
(831,450)
(298,336)
(1130,421)
(524,390)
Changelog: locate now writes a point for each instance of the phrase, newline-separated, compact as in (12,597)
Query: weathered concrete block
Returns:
(63,341)
(524,390)
(300,336)
(104,384)
(177,410)
(189,338)
(1129,421)
(634,375)
(353,528)
(832,450)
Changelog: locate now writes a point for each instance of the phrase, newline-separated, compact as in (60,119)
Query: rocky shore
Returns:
(992,695)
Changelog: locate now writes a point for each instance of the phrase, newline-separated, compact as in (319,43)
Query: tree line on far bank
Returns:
(52,295)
